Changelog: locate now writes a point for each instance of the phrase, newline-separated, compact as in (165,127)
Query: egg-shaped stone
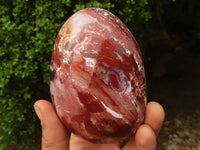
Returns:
(97,78)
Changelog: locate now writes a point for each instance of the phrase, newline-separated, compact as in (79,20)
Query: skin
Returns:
(56,137)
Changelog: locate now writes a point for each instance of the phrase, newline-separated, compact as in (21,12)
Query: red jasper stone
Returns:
(97,78)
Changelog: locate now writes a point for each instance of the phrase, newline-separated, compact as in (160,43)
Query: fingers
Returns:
(54,134)
(145,138)
(154,116)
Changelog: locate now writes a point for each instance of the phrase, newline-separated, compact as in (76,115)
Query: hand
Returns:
(56,137)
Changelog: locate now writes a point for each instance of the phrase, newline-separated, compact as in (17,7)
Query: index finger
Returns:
(154,116)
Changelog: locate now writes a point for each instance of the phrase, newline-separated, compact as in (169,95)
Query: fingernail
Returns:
(38,112)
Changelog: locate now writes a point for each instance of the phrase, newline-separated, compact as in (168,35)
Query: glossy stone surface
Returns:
(97,78)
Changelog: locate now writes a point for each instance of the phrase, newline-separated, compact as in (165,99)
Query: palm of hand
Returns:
(56,137)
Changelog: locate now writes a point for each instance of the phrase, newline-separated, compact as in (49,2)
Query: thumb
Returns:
(54,134)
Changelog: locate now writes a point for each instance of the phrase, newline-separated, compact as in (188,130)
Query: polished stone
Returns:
(97,78)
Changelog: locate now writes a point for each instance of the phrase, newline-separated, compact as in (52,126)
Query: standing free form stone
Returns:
(97,78)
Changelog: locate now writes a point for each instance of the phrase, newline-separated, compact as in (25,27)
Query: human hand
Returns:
(56,137)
